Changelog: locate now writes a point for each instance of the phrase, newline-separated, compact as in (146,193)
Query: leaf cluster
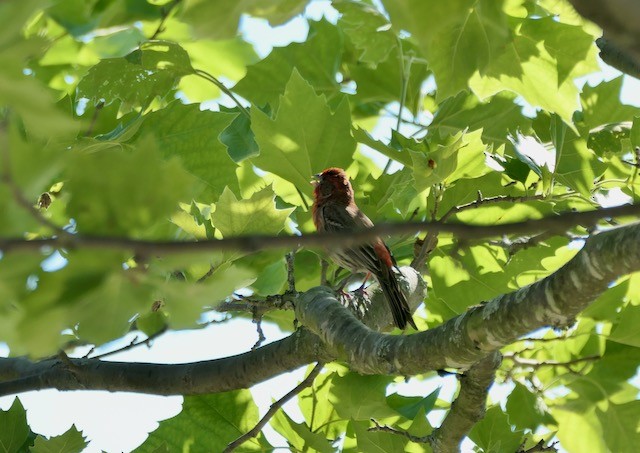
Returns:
(159,121)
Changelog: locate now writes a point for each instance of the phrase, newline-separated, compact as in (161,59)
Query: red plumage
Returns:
(334,209)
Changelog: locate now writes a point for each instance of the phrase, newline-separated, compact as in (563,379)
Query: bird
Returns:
(334,210)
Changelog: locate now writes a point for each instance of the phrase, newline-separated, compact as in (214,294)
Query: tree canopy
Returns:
(154,175)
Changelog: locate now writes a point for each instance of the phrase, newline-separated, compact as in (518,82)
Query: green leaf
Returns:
(579,417)
(117,44)
(360,397)
(620,426)
(401,72)
(13,427)
(634,135)
(494,433)
(257,214)
(150,71)
(577,166)
(528,68)
(184,302)
(299,143)
(71,441)
(399,155)
(28,97)
(458,38)
(368,29)
(571,46)
(426,20)
(152,323)
(115,191)
(104,313)
(481,272)
(317,60)
(228,58)
(467,46)
(299,435)
(461,156)
(227,13)
(605,307)
(608,376)
(271,279)
(498,117)
(601,104)
(525,409)
(239,139)
(321,417)
(194,136)
(208,423)
(626,331)
(410,406)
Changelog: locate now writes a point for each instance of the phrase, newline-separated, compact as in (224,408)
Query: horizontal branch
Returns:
(20,374)
(465,339)
(558,223)
(458,343)
(240,371)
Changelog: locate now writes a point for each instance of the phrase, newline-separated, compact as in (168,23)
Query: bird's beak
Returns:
(316,179)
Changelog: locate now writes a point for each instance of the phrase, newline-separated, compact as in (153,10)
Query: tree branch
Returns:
(559,223)
(458,343)
(20,374)
(619,20)
(552,301)
(274,408)
(469,407)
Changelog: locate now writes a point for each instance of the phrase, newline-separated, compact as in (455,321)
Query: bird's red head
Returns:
(333,183)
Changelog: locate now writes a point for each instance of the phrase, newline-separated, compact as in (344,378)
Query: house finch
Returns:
(334,209)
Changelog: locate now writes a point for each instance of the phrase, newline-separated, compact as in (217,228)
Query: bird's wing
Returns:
(368,256)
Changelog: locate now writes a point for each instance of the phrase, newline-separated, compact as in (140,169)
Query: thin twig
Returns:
(165,11)
(430,241)
(207,275)
(257,320)
(540,446)
(481,201)
(291,277)
(558,223)
(134,343)
(304,200)
(274,408)
(550,363)
(262,304)
(94,119)
(400,432)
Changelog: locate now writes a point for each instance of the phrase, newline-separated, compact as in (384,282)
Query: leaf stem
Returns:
(206,76)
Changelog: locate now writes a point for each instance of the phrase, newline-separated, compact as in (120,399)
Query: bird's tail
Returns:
(397,301)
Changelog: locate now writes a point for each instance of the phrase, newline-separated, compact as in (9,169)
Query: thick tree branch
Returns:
(458,343)
(462,341)
(469,407)
(20,374)
(619,20)
(559,223)
(615,57)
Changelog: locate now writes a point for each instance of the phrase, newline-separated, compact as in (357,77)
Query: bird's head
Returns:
(332,183)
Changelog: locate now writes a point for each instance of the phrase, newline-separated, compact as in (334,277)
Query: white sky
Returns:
(120,421)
